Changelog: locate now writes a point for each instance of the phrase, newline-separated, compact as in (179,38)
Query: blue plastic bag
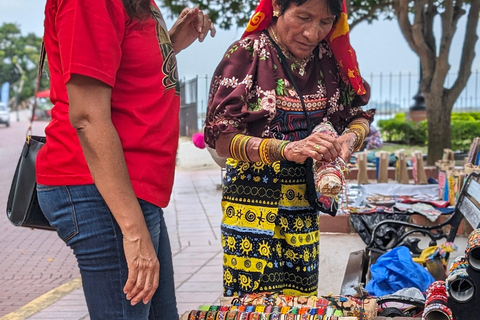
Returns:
(395,270)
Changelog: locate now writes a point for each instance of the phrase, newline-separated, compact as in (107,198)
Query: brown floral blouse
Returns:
(251,94)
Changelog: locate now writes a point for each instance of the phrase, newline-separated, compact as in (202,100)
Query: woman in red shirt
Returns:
(108,165)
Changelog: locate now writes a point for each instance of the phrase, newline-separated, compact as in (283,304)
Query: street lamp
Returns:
(418,110)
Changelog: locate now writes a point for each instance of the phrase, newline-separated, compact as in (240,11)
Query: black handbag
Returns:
(23,209)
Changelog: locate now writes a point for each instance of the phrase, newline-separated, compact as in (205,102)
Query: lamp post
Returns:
(418,110)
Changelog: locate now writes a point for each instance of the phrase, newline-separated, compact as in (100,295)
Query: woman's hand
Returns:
(318,146)
(192,24)
(347,143)
(143,268)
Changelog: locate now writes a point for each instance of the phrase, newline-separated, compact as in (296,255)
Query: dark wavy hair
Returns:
(335,6)
(139,9)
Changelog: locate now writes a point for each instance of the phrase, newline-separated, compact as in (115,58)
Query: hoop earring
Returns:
(276,13)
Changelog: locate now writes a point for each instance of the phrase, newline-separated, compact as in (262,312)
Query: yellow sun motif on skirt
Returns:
(284,223)
(264,249)
(255,285)
(246,246)
(227,278)
(306,255)
(258,166)
(224,242)
(279,248)
(291,255)
(245,282)
(308,222)
(231,243)
(298,224)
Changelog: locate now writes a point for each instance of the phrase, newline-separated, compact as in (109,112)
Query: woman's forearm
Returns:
(90,116)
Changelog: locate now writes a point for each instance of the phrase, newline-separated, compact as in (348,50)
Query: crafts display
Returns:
(275,306)
(472,252)
(460,287)
(463,281)
(474,152)
(436,303)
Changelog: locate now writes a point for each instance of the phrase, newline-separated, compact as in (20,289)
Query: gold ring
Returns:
(317,146)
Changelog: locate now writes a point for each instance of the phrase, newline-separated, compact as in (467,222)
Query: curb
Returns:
(44,301)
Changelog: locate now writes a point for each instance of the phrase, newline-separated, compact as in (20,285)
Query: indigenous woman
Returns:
(293,69)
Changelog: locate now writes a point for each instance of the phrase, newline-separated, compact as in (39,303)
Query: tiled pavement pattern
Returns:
(31,262)
(34,262)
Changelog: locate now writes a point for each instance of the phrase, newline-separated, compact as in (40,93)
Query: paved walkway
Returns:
(39,278)
(193,221)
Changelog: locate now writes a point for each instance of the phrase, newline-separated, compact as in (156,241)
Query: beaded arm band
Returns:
(238,147)
(360,129)
(269,150)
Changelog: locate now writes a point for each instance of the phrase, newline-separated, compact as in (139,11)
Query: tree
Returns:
(223,13)
(416,21)
(368,10)
(237,12)
(19,60)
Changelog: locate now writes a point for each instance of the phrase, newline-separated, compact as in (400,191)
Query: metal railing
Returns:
(391,93)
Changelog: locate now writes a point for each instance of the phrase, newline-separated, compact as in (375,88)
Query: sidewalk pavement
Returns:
(193,221)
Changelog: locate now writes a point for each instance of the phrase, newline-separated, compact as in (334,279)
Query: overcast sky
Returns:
(380,46)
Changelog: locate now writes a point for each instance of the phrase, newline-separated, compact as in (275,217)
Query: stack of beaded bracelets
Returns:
(472,252)
(460,287)
(360,128)
(436,303)
(261,312)
(269,150)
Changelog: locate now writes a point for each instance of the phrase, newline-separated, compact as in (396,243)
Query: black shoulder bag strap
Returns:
(310,192)
(292,81)
(41,63)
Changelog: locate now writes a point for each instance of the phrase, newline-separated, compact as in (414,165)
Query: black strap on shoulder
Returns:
(292,80)
(41,63)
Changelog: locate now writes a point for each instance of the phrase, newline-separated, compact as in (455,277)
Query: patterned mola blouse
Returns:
(250,89)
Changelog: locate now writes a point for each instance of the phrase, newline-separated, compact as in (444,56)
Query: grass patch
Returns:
(392,147)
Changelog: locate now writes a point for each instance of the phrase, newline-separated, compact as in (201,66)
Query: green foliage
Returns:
(463,132)
(19,56)
(224,14)
(400,131)
(369,10)
(228,13)
(466,116)
(464,127)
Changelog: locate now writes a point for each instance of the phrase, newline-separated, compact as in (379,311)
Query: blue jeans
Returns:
(85,223)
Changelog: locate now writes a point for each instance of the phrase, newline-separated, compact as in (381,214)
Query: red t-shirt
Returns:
(97,38)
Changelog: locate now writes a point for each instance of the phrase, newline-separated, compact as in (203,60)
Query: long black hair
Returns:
(335,6)
(137,8)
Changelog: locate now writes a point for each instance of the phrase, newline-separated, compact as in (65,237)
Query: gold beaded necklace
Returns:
(299,63)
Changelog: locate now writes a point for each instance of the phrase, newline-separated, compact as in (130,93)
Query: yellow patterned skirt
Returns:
(269,231)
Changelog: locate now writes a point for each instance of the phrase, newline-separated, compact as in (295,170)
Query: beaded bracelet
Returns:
(238,147)
(360,129)
(221,315)
(271,150)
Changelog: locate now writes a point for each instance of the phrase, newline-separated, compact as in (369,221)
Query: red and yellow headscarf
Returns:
(338,39)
